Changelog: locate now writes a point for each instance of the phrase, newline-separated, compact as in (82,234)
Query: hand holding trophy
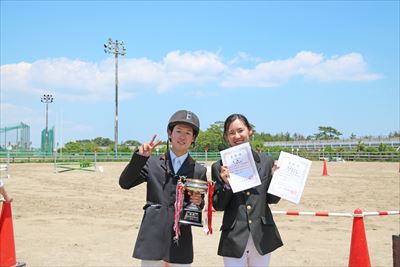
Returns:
(191,213)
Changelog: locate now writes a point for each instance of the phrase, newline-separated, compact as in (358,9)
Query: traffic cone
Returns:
(7,245)
(359,256)
(325,171)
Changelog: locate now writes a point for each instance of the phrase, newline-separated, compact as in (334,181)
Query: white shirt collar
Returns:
(181,158)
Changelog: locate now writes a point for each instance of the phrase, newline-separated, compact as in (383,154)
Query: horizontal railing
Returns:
(32,156)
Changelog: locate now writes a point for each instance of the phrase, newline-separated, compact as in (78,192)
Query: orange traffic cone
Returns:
(7,245)
(325,171)
(359,256)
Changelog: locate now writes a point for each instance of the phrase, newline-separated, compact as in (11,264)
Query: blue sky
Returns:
(288,66)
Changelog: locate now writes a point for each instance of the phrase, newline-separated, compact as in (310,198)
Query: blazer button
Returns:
(247,193)
(250,221)
(248,207)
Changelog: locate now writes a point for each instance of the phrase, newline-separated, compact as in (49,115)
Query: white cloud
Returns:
(310,65)
(74,79)
(197,62)
(243,57)
(350,67)
(66,78)
(175,70)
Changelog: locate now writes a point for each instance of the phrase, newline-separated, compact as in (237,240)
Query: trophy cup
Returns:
(191,213)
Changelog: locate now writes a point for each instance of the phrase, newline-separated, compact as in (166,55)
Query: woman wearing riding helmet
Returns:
(155,243)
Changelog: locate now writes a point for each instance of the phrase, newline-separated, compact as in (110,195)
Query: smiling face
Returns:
(237,133)
(181,138)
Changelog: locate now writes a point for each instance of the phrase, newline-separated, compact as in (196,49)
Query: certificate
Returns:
(289,180)
(243,172)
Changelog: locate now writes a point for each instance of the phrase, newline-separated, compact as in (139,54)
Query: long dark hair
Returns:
(232,118)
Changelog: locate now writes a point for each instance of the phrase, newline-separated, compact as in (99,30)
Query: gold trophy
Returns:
(191,213)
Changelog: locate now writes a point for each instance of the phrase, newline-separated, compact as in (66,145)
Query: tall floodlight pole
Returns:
(47,99)
(117,48)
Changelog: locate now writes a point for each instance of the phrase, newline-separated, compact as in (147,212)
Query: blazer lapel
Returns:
(187,166)
(165,158)
(257,161)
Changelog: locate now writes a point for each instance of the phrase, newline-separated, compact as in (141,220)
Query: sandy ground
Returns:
(81,218)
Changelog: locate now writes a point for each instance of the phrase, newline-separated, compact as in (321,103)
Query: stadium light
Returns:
(47,98)
(116,48)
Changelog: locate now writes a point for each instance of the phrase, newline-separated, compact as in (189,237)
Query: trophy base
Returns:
(191,215)
(190,223)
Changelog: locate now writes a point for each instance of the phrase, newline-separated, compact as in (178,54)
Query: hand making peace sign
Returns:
(147,149)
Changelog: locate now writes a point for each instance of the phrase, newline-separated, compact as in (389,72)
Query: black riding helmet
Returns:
(185,117)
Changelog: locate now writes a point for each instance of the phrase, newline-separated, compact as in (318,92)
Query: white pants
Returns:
(250,257)
(162,264)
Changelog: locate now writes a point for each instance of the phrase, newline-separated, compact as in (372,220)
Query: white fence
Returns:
(201,156)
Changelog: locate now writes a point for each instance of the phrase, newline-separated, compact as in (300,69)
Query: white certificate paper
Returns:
(289,180)
(243,172)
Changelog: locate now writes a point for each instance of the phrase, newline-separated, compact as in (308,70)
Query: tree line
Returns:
(212,140)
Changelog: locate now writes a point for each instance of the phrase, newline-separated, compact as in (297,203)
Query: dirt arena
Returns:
(81,218)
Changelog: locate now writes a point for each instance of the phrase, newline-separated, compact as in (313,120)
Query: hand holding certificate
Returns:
(242,168)
(289,179)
